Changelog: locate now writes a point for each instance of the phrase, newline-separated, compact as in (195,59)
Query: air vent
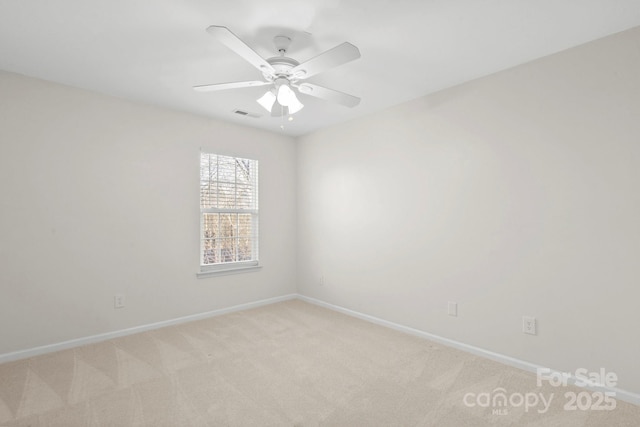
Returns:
(245,113)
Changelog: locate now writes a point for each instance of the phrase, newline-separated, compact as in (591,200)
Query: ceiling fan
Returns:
(285,75)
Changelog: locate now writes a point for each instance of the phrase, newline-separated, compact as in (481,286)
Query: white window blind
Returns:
(228,212)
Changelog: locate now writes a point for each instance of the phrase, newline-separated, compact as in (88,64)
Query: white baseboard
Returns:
(23,354)
(624,395)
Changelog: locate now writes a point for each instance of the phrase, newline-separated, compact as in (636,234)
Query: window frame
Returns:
(232,267)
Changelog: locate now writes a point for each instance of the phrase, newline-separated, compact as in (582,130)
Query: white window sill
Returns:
(222,270)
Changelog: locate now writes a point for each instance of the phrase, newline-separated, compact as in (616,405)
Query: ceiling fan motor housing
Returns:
(282,66)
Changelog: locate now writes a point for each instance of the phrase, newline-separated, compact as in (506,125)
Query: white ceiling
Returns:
(155,51)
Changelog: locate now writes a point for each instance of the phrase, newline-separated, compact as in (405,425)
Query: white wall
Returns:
(515,194)
(100,196)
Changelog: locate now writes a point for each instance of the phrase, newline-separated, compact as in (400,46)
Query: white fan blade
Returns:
(233,85)
(232,41)
(329,94)
(341,54)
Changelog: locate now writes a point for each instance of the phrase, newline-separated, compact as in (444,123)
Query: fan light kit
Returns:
(284,74)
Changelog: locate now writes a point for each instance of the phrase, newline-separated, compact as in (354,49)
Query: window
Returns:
(228,213)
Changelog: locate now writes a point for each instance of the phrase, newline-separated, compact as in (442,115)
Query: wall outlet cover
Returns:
(453,308)
(529,325)
(118,301)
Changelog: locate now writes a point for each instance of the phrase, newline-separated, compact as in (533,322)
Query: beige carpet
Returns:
(287,364)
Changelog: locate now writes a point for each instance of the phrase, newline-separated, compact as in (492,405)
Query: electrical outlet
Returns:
(321,280)
(529,325)
(118,301)
(453,309)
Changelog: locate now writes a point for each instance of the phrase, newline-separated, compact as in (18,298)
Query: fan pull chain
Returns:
(282,118)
